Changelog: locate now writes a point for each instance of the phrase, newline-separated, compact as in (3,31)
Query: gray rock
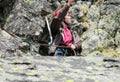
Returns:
(26,19)
(95,39)
(60,69)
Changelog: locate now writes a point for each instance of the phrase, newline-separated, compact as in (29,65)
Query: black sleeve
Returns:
(56,22)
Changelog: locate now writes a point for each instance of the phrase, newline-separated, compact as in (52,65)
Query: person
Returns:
(65,40)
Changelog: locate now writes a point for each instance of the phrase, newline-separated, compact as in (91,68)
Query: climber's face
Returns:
(68,18)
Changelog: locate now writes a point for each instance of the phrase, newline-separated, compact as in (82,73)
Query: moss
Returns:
(27,2)
(15,68)
(118,15)
(85,24)
(111,43)
(1,69)
(85,18)
(85,10)
(69,80)
(31,73)
(94,53)
(110,52)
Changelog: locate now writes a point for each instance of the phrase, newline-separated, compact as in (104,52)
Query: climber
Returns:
(62,33)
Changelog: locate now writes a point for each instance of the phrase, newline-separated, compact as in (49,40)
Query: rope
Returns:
(65,52)
(53,45)
(74,52)
(48,26)
(60,47)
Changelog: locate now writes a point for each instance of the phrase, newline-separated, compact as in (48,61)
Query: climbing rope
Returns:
(60,47)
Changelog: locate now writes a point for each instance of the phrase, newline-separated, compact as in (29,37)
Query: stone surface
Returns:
(59,69)
(26,17)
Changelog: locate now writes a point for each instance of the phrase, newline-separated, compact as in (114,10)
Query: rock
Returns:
(25,18)
(95,39)
(62,69)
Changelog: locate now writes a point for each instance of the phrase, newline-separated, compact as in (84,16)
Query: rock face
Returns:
(25,17)
(98,25)
(96,21)
(62,69)
(25,20)
(10,46)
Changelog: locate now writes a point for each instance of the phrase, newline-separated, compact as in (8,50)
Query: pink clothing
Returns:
(67,36)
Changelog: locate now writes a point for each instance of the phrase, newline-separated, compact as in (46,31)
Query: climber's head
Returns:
(67,18)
